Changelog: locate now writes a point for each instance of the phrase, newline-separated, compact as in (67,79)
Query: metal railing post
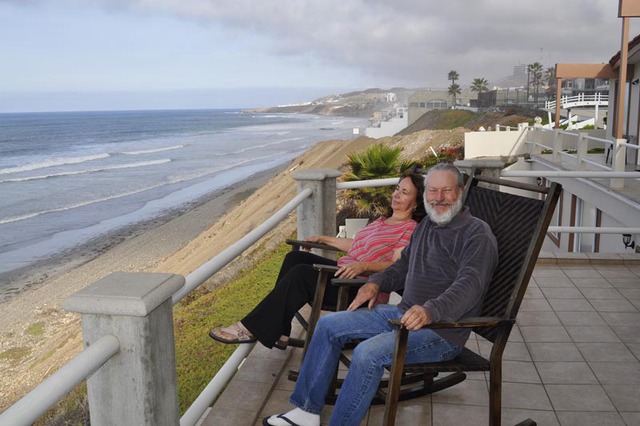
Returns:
(618,162)
(138,385)
(557,146)
(581,152)
(317,214)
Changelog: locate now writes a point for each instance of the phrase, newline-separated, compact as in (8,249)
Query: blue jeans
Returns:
(368,362)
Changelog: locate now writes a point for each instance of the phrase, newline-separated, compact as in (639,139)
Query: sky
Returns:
(60,55)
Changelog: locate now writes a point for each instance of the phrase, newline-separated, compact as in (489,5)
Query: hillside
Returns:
(443,119)
(367,102)
(354,104)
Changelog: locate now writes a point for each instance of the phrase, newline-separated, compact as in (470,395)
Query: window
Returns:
(437,104)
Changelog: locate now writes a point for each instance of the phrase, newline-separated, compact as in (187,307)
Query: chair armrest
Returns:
(325,268)
(349,282)
(468,322)
(340,282)
(297,244)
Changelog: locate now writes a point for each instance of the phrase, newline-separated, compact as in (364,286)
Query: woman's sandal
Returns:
(231,334)
(281,344)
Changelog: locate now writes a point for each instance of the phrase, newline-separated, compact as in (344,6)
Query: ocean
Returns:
(67,178)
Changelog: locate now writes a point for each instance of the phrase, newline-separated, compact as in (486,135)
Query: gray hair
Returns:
(446,167)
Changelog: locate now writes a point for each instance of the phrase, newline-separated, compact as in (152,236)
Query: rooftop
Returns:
(573,358)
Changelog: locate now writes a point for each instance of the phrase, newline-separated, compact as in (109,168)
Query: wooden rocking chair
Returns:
(519,224)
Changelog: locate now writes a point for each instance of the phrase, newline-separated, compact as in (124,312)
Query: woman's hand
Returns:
(314,239)
(351,270)
(366,293)
(343,244)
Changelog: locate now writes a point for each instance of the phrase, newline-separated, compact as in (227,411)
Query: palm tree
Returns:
(552,83)
(377,161)
(454,90)
(535,71)
(480,85)
(453,76)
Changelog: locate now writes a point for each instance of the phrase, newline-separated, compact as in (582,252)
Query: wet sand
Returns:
(198,216)
(44,337)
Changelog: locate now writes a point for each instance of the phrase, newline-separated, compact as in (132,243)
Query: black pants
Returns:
(295,286)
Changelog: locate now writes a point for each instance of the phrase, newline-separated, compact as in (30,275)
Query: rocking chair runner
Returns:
(519,224)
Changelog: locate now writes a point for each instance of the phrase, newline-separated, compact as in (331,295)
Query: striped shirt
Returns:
(378,240)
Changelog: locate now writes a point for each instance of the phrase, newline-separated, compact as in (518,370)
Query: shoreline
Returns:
(26,356)
(19,281)
(38,336)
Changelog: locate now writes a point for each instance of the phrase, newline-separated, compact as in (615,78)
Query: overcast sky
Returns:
(139,54)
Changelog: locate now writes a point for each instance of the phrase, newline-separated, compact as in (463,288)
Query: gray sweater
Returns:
(446,269)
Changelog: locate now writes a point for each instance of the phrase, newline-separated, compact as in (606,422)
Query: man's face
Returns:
(442,197)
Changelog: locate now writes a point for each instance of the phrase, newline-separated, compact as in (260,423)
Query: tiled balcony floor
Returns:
(573,359)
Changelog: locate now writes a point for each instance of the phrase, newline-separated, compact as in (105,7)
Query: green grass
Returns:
(451,119)
(72,409)
(198,357)
(15,355)
(36,329)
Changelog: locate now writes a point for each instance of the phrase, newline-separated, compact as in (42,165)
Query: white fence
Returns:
(579,100)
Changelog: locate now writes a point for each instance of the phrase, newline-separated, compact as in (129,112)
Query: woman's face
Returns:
(404,196)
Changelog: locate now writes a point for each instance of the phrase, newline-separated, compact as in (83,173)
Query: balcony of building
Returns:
(573,359)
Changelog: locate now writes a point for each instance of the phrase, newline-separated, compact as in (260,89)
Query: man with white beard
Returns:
(444,272)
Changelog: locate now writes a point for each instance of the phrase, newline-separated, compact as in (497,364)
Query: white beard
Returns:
(446,217)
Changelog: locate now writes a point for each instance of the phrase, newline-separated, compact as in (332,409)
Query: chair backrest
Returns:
(519,224)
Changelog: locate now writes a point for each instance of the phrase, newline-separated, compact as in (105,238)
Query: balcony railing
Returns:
(130,367)
(579,100)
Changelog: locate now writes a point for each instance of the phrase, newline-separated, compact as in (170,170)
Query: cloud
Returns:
(416,43)
(405,42)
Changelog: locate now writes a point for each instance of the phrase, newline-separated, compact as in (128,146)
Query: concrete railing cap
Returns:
(125,293)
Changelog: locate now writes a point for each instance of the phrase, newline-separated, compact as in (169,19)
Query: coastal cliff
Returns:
(354,104)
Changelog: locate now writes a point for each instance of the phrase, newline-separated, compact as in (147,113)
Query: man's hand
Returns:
(351,270)
(415,318)
(366,293)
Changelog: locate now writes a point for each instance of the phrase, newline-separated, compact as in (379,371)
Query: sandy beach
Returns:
(136,248)
(37,337)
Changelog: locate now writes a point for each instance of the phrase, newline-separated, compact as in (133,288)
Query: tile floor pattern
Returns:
(573,360)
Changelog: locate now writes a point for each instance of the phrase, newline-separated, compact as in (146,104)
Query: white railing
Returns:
(570,174)
(558,141)
(50,391)
(579,100)
(367,183)
(215,386)
(53,388)
(202,274)
(208,269)
(45,395)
